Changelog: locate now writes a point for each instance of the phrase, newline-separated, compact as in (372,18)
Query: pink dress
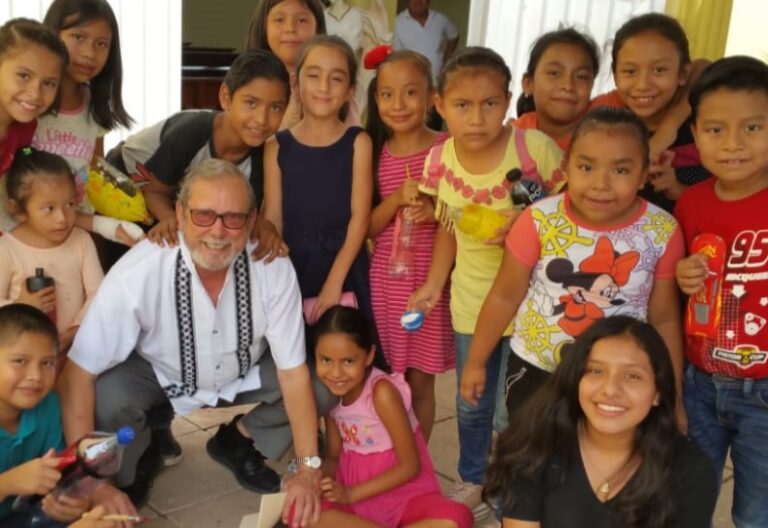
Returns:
(431,348)
(367,451)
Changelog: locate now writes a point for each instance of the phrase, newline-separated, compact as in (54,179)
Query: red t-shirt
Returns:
(19,135)
(741,347)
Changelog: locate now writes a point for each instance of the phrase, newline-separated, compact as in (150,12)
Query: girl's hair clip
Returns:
(26,151)
(376,56)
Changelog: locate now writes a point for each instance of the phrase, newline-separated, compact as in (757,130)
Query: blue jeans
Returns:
(724,413)
(476,422)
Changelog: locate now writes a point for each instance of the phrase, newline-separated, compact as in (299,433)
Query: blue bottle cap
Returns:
(412,320)
(125,435)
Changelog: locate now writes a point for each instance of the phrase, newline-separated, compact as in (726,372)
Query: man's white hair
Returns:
(211,170)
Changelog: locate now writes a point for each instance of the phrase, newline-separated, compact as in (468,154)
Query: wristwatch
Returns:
(313,462)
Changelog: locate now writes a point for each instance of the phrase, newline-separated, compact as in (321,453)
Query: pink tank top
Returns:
(360,427)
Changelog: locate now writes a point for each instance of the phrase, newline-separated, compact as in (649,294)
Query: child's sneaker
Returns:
(471,495)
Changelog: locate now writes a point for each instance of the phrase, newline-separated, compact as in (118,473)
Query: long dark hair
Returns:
(475,58)
(19,31)
(618,119)
(31,164)
(658,23)
(339,44)
(257,27)
(355,325)
(349,321)
(546,427)
(525,103)
(106,106)
(375,127)
(256,64)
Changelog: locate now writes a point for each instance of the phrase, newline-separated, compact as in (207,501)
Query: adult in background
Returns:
(430,33)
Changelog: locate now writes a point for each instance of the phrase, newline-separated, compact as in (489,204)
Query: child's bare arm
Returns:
(159,198)
(500,306)
(332,448)
(664,315)
(666,133)
(273,191)
(443,255)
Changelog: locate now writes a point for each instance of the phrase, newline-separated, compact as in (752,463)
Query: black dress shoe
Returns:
(169,448)
(231,449)
(147,468)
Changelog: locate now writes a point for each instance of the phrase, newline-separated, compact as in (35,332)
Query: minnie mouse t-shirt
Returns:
(582,273)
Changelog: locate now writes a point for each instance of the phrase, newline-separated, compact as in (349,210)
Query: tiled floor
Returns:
(199,493)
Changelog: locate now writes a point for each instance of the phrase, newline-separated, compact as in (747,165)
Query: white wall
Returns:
(150,39)
(511,26)
(746,33)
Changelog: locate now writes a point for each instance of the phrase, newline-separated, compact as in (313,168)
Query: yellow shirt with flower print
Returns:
(454,187)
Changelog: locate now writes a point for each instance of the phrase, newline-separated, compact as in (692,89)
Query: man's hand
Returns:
(335,492)
(270,244)
(302,493)
(691,273)
(114,501)
(64,509)
(165,232)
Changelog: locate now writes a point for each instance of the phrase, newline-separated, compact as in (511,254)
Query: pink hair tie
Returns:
(376,56)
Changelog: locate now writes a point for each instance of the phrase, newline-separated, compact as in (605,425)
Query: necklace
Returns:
(614,478)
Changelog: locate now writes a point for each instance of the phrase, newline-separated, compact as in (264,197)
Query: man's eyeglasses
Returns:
(207,217)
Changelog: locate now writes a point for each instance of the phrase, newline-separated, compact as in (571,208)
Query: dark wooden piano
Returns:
(202,70)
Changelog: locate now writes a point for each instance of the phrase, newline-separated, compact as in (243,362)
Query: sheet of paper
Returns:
(270,510)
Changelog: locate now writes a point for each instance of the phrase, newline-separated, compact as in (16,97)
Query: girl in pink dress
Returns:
(377,470)
(399,97)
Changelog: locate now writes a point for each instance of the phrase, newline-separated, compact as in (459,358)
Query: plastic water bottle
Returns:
(83,465)
(401,258)
(524,191)
(38,282)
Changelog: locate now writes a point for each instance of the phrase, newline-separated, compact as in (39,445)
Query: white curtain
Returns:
(511,26)
(150,39)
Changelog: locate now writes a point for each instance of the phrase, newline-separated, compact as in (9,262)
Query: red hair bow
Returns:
(605,260)
(376,56)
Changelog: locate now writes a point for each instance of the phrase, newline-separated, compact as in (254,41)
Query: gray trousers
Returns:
(125,393)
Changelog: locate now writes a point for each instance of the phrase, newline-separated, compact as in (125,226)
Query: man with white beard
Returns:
(201,324)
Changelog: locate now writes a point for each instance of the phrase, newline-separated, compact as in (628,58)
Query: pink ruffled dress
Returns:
(367,451)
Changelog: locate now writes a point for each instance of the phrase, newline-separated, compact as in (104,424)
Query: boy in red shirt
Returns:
(726,379)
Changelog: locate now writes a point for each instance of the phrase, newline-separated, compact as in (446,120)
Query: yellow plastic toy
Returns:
(113,194)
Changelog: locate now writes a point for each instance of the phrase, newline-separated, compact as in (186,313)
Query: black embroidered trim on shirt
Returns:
(186,331)
(243,314)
